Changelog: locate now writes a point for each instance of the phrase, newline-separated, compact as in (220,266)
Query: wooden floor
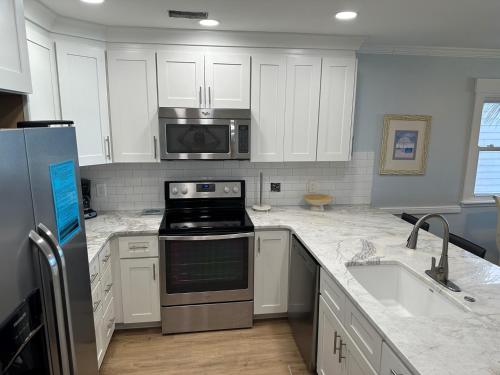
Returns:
(267,348)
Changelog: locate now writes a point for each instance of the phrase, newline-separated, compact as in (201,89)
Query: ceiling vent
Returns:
(189,15)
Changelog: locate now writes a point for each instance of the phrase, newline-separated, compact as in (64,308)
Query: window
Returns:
(482,178)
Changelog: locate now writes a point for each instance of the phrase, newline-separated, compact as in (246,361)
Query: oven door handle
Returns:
(208,237)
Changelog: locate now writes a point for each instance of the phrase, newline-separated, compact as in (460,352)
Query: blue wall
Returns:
(442,87)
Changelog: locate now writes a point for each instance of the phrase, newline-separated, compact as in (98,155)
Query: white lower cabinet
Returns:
(272,255)
(337,352)
(140,290)
(391,364)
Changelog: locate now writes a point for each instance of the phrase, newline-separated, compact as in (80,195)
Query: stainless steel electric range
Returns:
(206,257)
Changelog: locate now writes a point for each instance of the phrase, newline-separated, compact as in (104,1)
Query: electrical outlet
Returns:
(101,190)
(275,187)
(312,186)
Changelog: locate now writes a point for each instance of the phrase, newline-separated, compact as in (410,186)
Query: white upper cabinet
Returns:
(302,107)
(133,106)
(43,102)
(268,107)
(181,81)
(82,82)
(336,109)
(227,81)
(14,66)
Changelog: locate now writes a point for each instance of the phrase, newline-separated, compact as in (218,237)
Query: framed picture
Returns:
(404,144)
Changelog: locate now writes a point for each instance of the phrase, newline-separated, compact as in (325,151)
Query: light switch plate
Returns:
(312,186)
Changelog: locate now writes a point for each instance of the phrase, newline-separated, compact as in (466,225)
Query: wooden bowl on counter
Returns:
(317,202)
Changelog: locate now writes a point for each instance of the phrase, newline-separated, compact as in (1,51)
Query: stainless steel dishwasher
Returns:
(303,301)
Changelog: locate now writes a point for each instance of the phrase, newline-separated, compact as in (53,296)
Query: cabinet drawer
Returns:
(391,364)
(138,246)
(105,256)
(106,286)
(333,295)
(108,323)
(94,270)
(363,334)
(96,297)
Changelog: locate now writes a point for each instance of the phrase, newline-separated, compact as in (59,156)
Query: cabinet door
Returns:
(181,79)
(355,361)
(133,106)
(329,334)
(227,80)
(336,109)
(140,290)
(268,107)
(43,102)
(14,66)
(272,256)
(391,364)
(84,99)
(302,105)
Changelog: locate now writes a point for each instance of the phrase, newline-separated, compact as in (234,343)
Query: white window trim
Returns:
(486,89)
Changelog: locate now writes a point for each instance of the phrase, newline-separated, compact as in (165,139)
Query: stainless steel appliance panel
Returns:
(209,292)
(303,301)
(45,146)
(215,316)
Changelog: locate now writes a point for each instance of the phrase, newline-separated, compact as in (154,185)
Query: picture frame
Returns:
(405,143)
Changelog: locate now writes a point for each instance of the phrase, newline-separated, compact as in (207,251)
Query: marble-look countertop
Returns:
(464,343)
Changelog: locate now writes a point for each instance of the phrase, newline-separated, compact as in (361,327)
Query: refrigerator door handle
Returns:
(43,247)
(49,237)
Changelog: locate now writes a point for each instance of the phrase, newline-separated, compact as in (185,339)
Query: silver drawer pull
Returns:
(335,337)
(106,258)
(96,305)
(394,372)
(108,288)
(92,277)
(137,246)
(341,357)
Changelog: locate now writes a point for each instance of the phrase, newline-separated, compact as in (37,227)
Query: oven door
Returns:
(206,269)
(210,139)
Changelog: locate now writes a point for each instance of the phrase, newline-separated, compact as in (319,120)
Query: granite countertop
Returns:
(464,343)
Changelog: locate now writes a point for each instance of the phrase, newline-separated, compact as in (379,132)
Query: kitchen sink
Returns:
(404,292)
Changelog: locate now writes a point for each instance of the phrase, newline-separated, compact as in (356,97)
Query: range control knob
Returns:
(175,190)
(184,190)
(226,189)
(236,189)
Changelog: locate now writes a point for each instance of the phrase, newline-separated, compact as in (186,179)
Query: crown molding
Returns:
(431,51)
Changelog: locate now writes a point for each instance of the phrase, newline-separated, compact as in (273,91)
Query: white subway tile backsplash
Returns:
(140,185)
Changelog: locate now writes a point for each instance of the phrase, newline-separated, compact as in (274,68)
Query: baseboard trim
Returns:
(451,209)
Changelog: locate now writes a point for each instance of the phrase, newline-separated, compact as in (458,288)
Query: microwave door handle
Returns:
(232,138)
(49,237)
(43,247)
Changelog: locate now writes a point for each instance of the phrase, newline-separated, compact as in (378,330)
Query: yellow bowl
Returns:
(318,201)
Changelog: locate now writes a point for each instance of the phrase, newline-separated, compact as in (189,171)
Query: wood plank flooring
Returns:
(267,348)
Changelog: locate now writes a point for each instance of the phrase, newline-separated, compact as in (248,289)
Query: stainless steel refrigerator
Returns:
(46,316)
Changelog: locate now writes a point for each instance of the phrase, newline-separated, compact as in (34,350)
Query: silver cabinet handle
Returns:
(108,147)
(137,247)
(201,104)
(341,357)
(96,305)
(155,147)
(258,246)
(154,272)
(394,372)
(209,97)
(335,337)
(108,288)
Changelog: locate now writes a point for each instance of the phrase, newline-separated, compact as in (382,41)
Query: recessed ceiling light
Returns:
(92,1)
(209,23)
(346,15)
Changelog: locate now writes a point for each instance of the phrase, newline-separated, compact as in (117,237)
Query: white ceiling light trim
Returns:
(92,1)
(209,23)
(346,15)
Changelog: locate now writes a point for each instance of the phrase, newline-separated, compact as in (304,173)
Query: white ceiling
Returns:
(450,23)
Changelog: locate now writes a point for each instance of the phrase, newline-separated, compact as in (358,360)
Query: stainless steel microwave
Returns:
(204,134)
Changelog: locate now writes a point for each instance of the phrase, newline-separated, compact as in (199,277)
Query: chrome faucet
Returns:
(439,273)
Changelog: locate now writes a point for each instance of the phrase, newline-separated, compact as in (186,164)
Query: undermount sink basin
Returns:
(403,292)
